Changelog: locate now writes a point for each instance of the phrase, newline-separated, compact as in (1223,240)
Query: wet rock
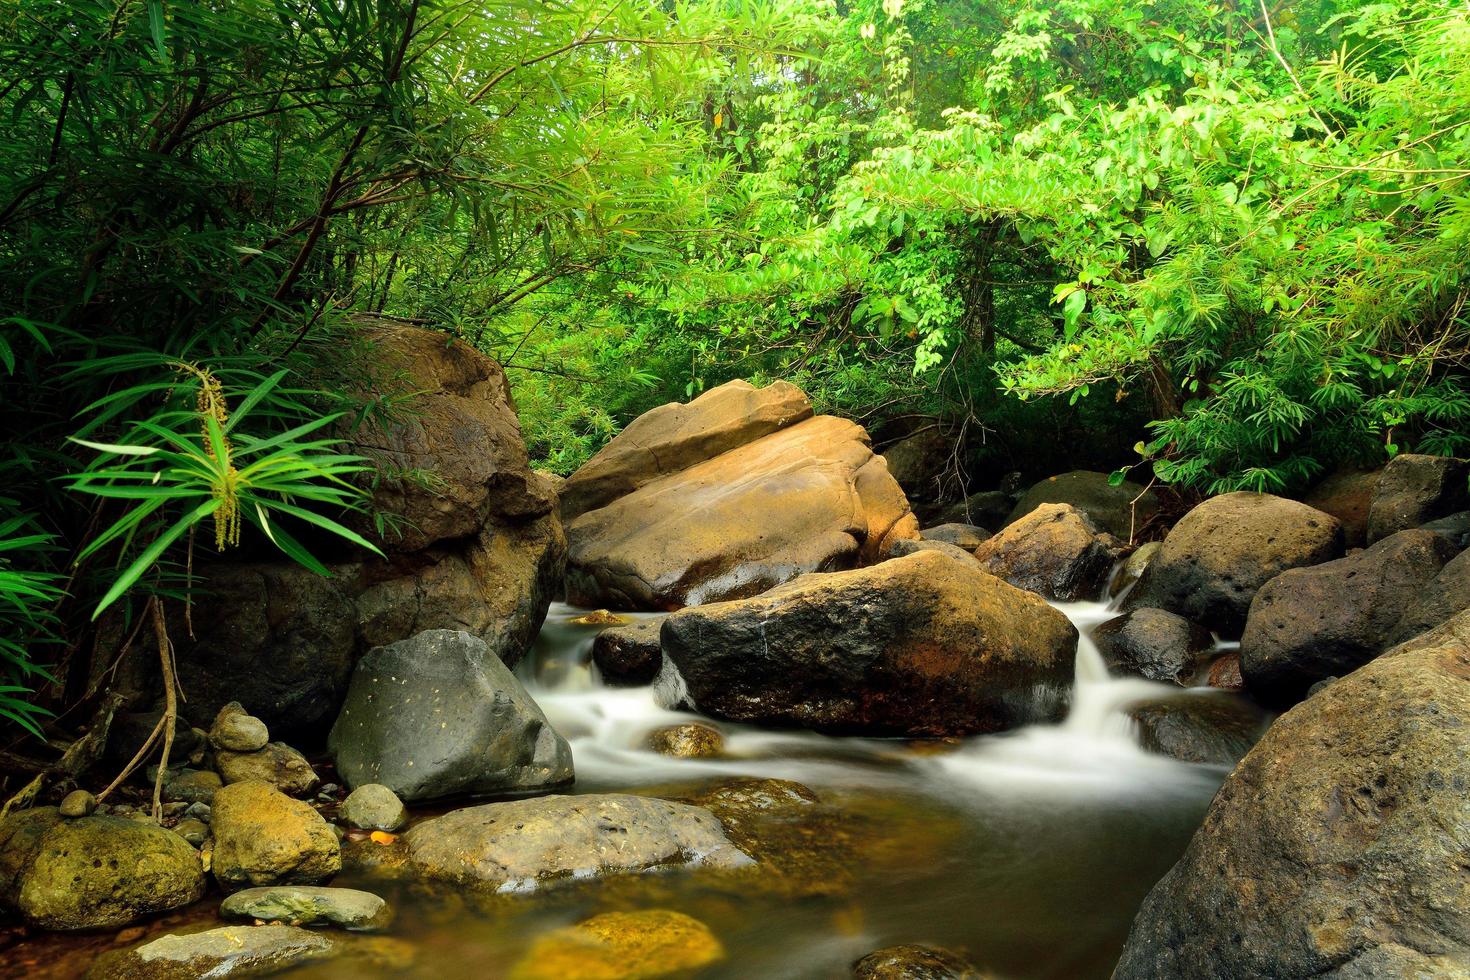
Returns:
(601,617)
(78,803)
(913,962)
(1220,554)
(264,837)
(1341,833)
(1441,599)
(522,845)
(1131,569)
(1455,529)
(1211,728)
(622,946)
(1153,644)
(373,806)
(912,546)
(1414,489)
(691,741)
(191,785)
(231,951)
(988,509)
(304,905)
(1110,508)
(1327,620)
(195,832)
(1055,551)
(1348,496)
(629,656)
(809,496)
(236,731)
(1225,673)
(674,437)
(921,646)
(966,537)
(101,872)
(278,764)
(439,715)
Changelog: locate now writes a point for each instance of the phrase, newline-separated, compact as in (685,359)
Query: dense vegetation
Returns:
(1234,235)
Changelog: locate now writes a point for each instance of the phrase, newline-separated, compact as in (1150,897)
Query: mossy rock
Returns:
(622,946)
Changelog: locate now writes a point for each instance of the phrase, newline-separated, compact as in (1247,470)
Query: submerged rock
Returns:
(1152,644)
(304,905)
(1210,728)
(1121,510)
(1414,489)
(277,764)
(690,741)
(373,806)
(1220,554)
(264,837)
(913,962)
(1325,621)
(522,845)
(629,656)
(921,646)
(622,946)
(1338,842)
(1055,551)
(439,715)
(94,872)
(230,951)
(730,516)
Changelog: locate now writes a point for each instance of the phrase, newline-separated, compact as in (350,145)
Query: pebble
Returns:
(78,803)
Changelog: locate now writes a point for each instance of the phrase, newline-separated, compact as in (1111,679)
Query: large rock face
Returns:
(1308,624)
(1413,489)
(1219,554)
(920,645)
(1337,846)
(1055,551)
(478,547)
(439,715)
(523,844)
(1121,510)
(790,499)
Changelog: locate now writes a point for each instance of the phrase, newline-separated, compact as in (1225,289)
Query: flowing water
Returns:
(1028,851)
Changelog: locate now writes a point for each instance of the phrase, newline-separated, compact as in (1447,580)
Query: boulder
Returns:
(522,845)
(1131,569)
(1442,598)
(688,741)
(629,656)
(911,546)
(264,837)
(1414,489)
(919,461)
(1120,510)
(1338,842)
(1348,496)
(622,946)
(236,731)
(439,715)
(1219,554)
(230,951)
(304,905)
(913,962)
(919,646)
(373,806)
(809,497)
(988,509)
(1055,551)
(966,537)
(478,547)
(277,764)
(191,785)
(94,872)
(1327,620)
(1196,727)
(1153,644)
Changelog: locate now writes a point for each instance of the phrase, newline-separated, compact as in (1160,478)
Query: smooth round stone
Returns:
(192,830)
(305,905)
(235,731)
(373,807)
(78,803)
(689,741)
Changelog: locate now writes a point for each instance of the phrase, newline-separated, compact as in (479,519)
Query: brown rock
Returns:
(1348,496)
(629,656)
(811,496)
(689,741)
(1152,643)
(277,764)
(1121,510)
(912,962)
(967,537)
(1055,551)
(1225,673)
(1414,489)
(674,437)
(263,837)
(1196,727)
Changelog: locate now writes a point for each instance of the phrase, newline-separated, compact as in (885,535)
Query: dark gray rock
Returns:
(1437,602)
(988,509)
(1196,727)
(1455,529)
(629,656)
(1111,508)
(1220,554)
(304,905)
(1327,620)
(1153,644)
(438,715)
(1414,489)
(966,537)
(1055,551)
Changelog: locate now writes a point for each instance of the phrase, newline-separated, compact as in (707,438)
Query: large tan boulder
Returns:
(1220,554)
(807,497)
(674,437)
(475,546)
(1337,846)
(924,645)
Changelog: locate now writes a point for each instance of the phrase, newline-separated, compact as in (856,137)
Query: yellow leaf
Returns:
(719,119)
(382,837)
